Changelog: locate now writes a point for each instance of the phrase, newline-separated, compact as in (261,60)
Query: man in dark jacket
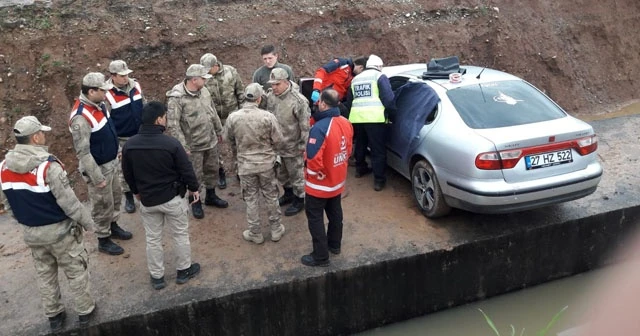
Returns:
(158,171)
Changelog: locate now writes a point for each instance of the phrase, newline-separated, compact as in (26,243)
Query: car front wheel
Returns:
(426,190)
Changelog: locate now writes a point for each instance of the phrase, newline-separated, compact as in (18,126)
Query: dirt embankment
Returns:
(583,53)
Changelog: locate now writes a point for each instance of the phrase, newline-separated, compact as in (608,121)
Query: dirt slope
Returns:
(583,53)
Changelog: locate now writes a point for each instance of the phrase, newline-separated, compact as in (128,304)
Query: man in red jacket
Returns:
(337,74)
(328,148)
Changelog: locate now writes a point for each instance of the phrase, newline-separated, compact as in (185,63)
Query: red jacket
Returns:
(327,154)
(337,73)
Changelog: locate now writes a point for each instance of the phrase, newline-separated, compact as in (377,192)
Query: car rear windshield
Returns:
(502,104)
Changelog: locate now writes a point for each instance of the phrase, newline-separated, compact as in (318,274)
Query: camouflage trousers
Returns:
(291,174)
(123,183)
(252,186)
(105,202)
(174,215)
(70,256)
(205,164)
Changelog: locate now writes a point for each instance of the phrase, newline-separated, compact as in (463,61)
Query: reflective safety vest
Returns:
(126,110)
(367,106)
(30,196)
(103,141)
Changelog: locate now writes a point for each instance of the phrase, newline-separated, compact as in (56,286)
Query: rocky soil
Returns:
(583,53)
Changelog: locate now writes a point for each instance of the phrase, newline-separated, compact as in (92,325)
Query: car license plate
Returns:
(548,159)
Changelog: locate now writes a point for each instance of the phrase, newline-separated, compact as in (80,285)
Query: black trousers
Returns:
(315,208)
(373,136)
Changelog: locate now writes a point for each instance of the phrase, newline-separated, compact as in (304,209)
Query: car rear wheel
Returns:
(426,190)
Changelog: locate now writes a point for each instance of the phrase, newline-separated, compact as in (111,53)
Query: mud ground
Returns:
(583,53)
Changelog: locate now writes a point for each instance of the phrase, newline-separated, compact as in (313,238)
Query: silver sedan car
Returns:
(485,141)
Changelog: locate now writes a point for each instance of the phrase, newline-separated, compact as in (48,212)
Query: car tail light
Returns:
(587,145)
(498,160)
(508,159)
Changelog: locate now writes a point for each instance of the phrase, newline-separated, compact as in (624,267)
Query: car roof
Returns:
(416,70)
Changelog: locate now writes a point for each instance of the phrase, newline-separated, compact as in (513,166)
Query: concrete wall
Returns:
(368,296)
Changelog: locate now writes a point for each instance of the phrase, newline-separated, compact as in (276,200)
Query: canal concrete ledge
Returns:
(410,268)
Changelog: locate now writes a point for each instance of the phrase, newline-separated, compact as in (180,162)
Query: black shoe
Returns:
(196,209)
(57,322)
(84,320)
(295,207)
(129,203)
(105,245)
(186,274)
(287,197)
(119,233)
(335,251)
(222,178)
(360,172)
(308,260)
(212,199)
(157,284)
(378,185)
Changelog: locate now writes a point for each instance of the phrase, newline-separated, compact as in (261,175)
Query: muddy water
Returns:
(530,309)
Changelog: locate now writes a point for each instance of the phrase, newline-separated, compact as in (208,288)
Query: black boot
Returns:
(129,203)
(296,206)
(287,197)
(196,208)
(105,245)
(212,199)
(57,322)
(222,178)
(119,233)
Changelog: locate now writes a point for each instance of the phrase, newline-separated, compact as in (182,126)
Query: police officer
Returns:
(158,170)
(371,94)
(96,145)
(36,189)
(124,102)
(254,135)
(325,176)
(291,109)
(227,93)
(193,120)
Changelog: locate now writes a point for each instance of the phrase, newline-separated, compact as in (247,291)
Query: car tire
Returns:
(427,192)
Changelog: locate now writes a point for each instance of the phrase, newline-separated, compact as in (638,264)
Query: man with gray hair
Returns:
(254,135)
(227,92)
(36,190)
(193,120)
(96,145)
(124,102)
(292,110)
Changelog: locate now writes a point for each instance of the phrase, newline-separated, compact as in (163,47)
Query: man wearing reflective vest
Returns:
(124,103)
(326,157)
(36,189)
(96,145)
(370,95)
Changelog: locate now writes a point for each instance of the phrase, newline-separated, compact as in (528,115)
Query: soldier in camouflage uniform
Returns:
(124,103)
(254,135)
(96,144)
(36,189)
(291,109)
(227,93)
(193,120)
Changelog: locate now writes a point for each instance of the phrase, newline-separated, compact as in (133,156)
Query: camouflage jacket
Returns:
(192,119)
(254,135)
(291,109)
(81,134)
(227,90)
(25,158)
